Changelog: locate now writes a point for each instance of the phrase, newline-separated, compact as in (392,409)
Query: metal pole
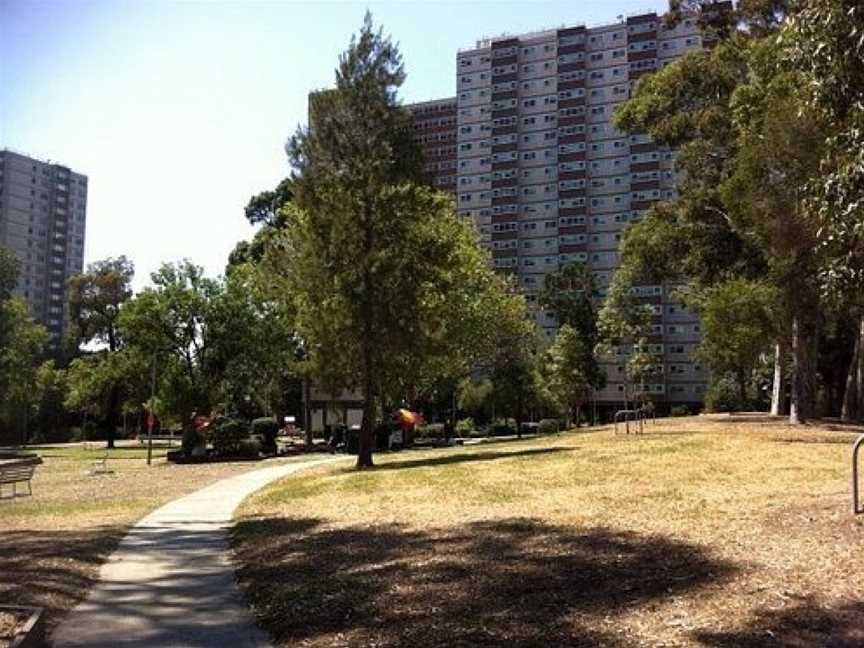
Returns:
(856,509)
(150,416)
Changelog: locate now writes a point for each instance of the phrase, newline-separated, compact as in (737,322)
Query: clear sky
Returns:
(178,111)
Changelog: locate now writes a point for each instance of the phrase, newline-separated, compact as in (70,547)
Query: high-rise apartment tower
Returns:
(548,179)
(43,212)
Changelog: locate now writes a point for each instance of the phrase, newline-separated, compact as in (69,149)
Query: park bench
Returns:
(100,466)
(14,473)
(166,435)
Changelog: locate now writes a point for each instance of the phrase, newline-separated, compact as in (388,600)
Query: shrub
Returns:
(465,426)
(431,431)
(679,410)
(723,395)
(191,440)
(250,448)
(502,427)
(549,426)
(228,437)
(267,429)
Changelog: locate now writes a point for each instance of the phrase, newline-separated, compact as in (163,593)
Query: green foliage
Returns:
(739,323)
(250,448)
(228,436)
(464,426)
(475,396)
(191,439)
(548,426)
(267,429)
(681,410)
(95,298)
(431,431)
(572,369)
(389,289)
(724,395)
(20,356)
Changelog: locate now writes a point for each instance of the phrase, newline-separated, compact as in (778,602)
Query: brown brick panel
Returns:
(504,60)
(638,20)
(571,103)
(644,36)
(579,247)
(570,49)
(504,148)
(648,147)
(505,236)
(572,31)
(502,166)
(503,254)
(571,175)
(571,85)
(642,56)
(504,200)
(578,156)
(505,130)
(504,183)
(650,299)
(571,139)
(509,112)
(571,211)
(639,167)
(572,193)
(501,78)
(504,218)
(572,229)
(510,94)
(571,121)
(571,67)
(641,204)
(642,186)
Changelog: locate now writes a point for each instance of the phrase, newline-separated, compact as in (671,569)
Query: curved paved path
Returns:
(169,582)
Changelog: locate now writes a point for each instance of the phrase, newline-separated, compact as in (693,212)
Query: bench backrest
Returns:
(16,473)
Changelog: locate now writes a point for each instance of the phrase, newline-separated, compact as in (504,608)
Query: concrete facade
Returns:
(43,215)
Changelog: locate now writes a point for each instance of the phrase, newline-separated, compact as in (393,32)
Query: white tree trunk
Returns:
(797,414)
(778,395)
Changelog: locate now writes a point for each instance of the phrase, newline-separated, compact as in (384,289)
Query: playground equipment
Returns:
(857,507)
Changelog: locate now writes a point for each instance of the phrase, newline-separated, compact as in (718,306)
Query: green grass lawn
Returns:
(53,543)
(717,532)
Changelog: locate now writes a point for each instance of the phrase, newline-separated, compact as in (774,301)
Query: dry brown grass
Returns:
(53,543)
(719,532)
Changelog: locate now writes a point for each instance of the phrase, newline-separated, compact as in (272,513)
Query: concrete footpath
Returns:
(170,582)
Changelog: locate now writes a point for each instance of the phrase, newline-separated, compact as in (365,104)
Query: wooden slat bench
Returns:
(14,473)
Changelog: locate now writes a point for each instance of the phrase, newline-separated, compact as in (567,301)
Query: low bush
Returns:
(464,427)
(431,431)
(549,426)
(502,427)
(723,395)
(267,429)
(228,437)
(191,439)
(679,410)
(250,448)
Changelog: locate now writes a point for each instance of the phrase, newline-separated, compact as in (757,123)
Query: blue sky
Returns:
(178,111)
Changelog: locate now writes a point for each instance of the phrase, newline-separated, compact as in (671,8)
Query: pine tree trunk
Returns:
(364,449)
(853,395)
(778,393)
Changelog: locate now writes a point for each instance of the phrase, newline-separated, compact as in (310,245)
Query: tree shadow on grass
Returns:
(53,569)
(516,582)
(463,457)
(805,625)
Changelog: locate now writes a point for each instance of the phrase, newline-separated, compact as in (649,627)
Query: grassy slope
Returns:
(700,532)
